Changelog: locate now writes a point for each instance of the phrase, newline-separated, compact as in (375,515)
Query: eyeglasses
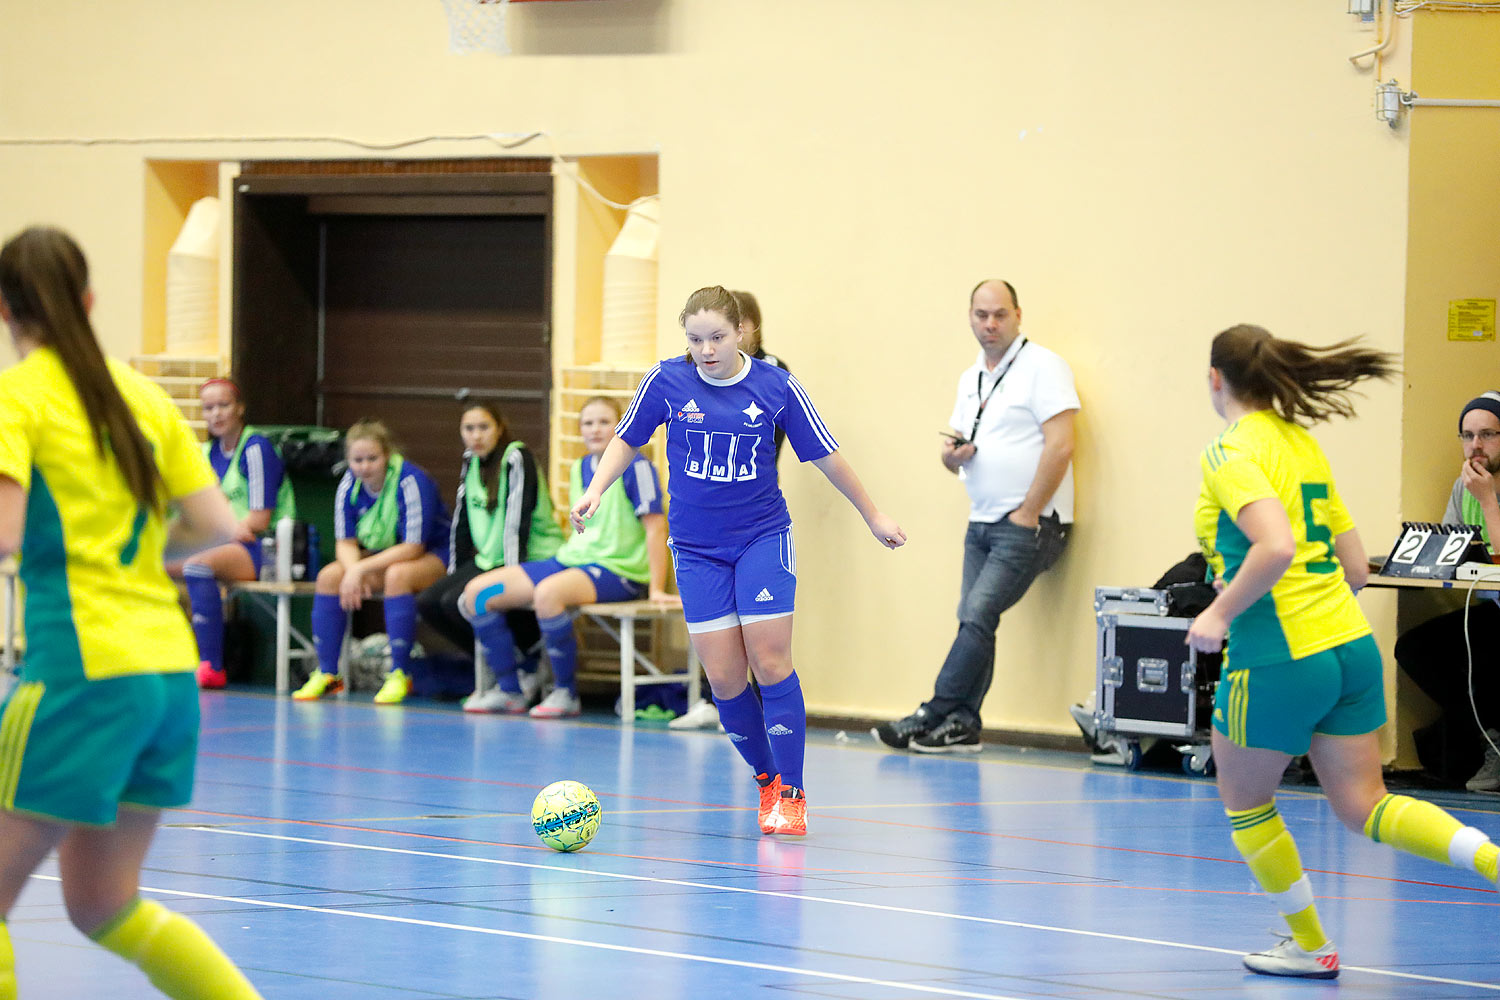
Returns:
(1467,437)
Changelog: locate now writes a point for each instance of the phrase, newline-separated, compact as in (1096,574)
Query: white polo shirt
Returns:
(1038,385)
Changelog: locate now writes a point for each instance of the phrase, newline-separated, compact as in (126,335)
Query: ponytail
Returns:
(44,280)
(1303,384)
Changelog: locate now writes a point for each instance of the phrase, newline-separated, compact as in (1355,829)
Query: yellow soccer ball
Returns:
(566,815)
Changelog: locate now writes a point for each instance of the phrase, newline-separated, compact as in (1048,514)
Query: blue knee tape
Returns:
(493,590)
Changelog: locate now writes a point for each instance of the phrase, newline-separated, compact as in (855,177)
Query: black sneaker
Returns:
(953,735)
(898,734)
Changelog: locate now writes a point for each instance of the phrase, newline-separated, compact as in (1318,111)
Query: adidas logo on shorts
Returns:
(763,596)
(778,730)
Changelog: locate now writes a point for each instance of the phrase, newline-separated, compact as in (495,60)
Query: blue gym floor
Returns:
(336,849)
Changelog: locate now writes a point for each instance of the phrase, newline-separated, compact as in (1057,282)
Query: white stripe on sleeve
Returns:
(635,402)
(412,494)
(645,487)
(340,504)
(517,476)
(819,428)
(256,476)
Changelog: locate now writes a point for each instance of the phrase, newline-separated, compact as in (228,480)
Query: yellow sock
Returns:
(178,958)
(1423,829)
(7,965)
(1269,850)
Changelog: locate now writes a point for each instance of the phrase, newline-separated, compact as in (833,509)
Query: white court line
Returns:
(552,939)
(858,904)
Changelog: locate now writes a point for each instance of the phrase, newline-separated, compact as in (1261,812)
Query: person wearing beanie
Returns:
(1435,654)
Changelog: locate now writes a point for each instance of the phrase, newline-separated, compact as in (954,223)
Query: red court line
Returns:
(1139,850)
(448,777)
(850,819)
(935,877)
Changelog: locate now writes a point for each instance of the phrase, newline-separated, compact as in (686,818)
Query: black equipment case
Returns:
(1150,682)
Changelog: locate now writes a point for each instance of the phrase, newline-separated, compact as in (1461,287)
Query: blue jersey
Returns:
(421,515)
(640,481)
(259,464)
(721,445)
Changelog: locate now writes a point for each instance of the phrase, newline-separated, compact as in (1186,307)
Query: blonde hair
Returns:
(370,429)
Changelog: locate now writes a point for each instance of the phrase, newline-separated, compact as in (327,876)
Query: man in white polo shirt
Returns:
(1012,445)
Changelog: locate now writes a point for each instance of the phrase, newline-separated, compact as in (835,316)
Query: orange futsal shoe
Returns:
(790,815)
(210,679)
(770,798)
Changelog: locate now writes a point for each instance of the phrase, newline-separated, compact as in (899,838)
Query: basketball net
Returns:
(476,26)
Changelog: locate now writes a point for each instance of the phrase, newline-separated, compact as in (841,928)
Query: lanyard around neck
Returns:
(979,387)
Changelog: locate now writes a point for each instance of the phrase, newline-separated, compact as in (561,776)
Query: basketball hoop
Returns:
(476,26)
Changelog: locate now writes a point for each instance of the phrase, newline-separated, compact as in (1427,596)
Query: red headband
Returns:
(221,381)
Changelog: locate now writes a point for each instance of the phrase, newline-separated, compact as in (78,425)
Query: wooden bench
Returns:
(617,619)
(624,615)
(278,596)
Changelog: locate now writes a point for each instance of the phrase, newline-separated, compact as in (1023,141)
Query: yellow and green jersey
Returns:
(1311,607)
(98,601)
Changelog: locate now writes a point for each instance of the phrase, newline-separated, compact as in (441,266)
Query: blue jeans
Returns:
(1000,561)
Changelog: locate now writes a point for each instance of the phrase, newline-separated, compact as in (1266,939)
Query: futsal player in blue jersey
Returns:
(252,477)
(392,536)
(731,533)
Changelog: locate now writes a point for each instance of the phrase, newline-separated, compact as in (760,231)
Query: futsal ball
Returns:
(566,815)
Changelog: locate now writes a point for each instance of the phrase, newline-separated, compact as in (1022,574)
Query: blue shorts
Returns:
(253,549)
(1279,706)
(608,587)
(75,750)
(727,587)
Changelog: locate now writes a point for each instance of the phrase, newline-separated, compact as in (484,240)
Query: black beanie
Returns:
(1489,401)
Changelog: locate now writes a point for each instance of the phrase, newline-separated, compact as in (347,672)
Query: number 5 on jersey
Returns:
(720,456)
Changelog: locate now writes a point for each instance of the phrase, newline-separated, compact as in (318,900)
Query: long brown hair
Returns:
(1303,384)
(44,280)
(492,485)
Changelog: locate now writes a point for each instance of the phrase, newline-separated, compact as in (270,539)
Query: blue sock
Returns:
(401,627)
(499,649)
(562,650)
(746,728)
(786,726)
(328,624)
(208,612)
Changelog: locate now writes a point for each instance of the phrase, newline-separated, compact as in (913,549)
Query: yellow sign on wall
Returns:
(1471,319)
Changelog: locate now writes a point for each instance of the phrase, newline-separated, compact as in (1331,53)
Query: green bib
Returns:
(376,530)
(487,527)
(614,538)
(1474,514)
(237,491)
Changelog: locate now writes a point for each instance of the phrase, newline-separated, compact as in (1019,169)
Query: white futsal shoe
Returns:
(703,715)
(1287,958)
(561,703)
(495,700)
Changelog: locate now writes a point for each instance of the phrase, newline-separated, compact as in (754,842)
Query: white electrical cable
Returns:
(1469,654)
(503,140)
(1405,8)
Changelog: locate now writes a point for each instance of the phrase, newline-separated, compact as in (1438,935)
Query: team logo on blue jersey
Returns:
(690,412)
(754,413)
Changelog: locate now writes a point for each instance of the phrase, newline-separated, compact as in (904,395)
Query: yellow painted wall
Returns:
(1145,173)
(1453,252)
(1453,248)
(172,186)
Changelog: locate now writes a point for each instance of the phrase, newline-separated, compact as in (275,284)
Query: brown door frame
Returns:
(277,312)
